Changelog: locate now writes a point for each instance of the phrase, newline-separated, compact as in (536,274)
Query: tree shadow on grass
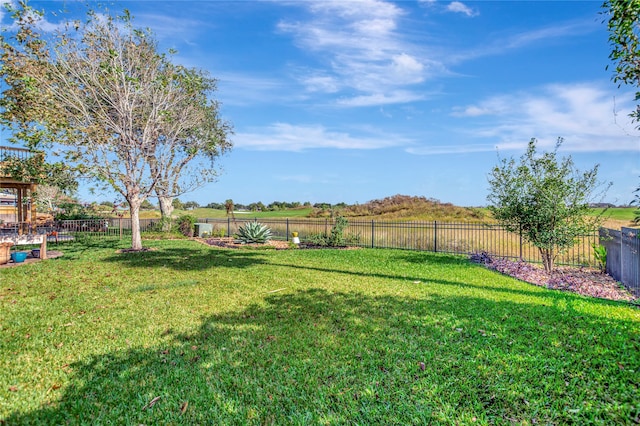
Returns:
(188,258)
(315,357)
(556,297)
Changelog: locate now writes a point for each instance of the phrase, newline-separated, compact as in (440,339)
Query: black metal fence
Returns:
(443,237)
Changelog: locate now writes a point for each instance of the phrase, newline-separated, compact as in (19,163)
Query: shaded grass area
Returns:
(304,337)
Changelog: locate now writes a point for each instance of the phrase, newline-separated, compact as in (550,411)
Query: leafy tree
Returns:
(49,197)
(145,205)
(215,206)
(101,90)
(199,137)
(177,204)
(636,201)
(624,38)
(190,205)
(544,200)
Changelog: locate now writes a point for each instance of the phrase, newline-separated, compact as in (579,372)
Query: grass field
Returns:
(188,334)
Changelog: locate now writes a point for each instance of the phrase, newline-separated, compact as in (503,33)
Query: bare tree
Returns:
(199,136)
(104,92)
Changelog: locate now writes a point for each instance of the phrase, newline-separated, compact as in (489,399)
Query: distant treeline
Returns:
(257,207)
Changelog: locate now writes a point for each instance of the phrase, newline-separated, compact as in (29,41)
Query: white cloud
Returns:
(361,50)
(459,7)
(289,137)
(3,6)
(321,83)
(395,97)
(238,89)
(507,42)
(583,114)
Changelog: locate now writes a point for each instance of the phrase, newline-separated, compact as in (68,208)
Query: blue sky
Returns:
(349,101)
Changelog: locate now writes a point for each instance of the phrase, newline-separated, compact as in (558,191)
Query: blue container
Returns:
(19,256)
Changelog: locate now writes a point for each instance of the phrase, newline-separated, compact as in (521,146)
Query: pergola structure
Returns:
(25,231)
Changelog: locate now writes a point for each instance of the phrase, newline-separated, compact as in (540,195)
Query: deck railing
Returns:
(22,154)
(32,160)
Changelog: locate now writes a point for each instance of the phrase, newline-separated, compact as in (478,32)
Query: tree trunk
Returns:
(134,209)
(166,209)
(548,257)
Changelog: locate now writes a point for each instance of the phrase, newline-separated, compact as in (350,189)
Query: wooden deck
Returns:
(24,189)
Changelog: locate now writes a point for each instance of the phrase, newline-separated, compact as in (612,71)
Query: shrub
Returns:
(336,237)
(254,232)
(186,224)
(600,253)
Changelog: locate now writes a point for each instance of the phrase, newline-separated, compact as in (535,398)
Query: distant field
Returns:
(616,217)
(213,213)
(617,213)
(612,218)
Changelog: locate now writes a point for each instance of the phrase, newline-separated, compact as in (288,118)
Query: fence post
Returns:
(520,236)
(287,229)
(228,226)
(120,222)
(435,236)
(373,232)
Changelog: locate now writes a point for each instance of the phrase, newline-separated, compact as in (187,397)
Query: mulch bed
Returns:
(229,242)
(580,280)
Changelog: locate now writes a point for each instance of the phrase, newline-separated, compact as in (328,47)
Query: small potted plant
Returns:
(295,240)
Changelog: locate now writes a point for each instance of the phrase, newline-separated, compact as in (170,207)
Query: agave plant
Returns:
(254,232)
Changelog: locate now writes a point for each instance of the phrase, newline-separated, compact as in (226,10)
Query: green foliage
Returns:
(190,205)
(34,169)
(544,200)
(186,224)
(253,232)
(218,232)
(61,89)
(336,237)
(600,253)
(624,38)
(73,210)
(177,204)
(636,202)
(146,205)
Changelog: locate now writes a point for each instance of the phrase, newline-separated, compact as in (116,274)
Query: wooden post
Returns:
(20,210)
(34,214)
(43,247)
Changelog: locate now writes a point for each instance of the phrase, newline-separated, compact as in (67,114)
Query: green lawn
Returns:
(304,337)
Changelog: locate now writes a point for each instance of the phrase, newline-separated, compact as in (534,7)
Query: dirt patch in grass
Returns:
(580,280)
